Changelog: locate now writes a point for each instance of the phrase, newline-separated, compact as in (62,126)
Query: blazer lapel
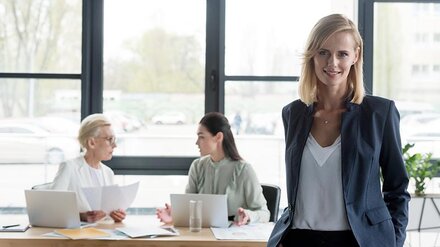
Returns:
(300,134)
(349,136)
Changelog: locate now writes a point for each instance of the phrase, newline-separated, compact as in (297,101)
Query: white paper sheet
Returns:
(114,235)
(148,231)
(113,197)
(257,231)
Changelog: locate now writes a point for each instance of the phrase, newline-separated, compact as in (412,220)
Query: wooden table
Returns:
(32,237)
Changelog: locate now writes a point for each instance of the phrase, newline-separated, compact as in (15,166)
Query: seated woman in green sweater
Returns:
(221,170)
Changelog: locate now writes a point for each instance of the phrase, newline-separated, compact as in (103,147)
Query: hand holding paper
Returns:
(111,198)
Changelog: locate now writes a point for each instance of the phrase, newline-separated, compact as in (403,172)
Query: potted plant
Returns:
(420,167)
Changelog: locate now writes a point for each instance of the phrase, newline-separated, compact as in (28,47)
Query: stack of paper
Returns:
(82,233)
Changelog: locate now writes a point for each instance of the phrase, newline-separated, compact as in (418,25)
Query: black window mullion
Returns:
(40,76)
(215,56)
(152,165)
(366,25)
(92,57)
(262,78)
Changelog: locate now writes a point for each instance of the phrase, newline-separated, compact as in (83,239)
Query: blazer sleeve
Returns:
(395,177)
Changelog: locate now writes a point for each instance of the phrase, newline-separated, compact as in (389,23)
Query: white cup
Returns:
(195,216)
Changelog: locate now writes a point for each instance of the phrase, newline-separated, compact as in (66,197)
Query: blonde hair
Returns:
(323,29)
(91,127)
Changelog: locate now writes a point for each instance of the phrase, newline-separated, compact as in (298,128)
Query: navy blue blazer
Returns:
(370,145)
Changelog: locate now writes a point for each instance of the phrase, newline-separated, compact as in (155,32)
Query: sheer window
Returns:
(39,117)
(154,68)
(407,73)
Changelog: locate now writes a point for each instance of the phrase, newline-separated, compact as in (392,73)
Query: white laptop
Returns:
(214,209)
(52,208)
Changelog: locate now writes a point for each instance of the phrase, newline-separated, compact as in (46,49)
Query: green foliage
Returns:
(160,62)
(420,167)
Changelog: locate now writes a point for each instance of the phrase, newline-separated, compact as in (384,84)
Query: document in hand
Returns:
(82,233)
(113,197)
(148,231)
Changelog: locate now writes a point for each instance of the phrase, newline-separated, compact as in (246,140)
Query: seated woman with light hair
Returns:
(97,140)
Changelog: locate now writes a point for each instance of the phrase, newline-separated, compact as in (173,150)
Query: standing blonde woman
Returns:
(98,141)
(339,143)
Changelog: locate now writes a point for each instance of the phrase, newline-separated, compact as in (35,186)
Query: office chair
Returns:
(45,186)
(272,193)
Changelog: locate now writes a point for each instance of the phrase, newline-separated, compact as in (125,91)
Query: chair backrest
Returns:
(272,193)
(45,186)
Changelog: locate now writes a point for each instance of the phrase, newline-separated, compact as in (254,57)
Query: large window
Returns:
(154,68)
(403,68)
(40,91)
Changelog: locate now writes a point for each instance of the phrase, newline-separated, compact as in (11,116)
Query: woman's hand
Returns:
(242,217)
(118,215)
(164,214)
(92,216)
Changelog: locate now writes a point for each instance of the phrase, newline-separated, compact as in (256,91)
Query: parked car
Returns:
(58,125)
(169,118)
(23,142)
(123,122)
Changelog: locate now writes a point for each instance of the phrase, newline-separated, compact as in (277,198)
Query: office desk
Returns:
(32,237)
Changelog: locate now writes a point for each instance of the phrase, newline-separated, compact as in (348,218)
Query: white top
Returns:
(320,202)
(97,176)
(75,174)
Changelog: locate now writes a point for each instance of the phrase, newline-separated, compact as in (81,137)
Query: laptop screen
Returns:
(52,208)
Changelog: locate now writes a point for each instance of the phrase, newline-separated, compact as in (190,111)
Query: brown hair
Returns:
(216,122)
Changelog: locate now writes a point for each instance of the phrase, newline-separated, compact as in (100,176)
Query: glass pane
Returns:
(406,52)
(266,37)
(254,111)
(154,74)
(40,36)
(39,120)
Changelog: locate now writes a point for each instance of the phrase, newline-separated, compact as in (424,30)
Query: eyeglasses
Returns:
(111,140)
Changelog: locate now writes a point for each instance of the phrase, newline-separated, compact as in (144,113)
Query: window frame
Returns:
(91,75)
(366,28)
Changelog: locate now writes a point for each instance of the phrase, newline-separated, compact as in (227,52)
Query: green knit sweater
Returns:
(236,179)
